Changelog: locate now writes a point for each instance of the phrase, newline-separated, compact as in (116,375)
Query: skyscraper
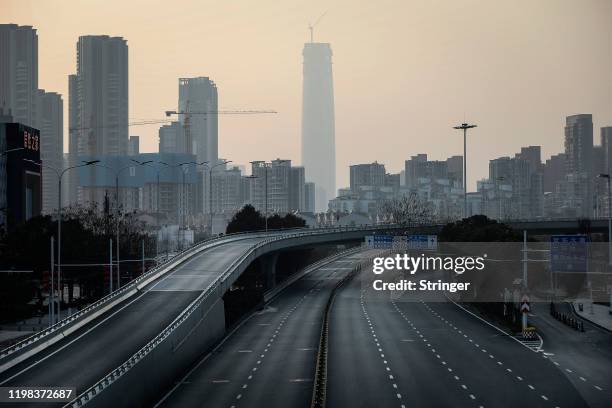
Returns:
(29,105)
(318,123)
(171,138)
(50,122)
(18,71)
(579,143)
(200,95)
(368,175)
(606,143)
(577,190)
(99,100)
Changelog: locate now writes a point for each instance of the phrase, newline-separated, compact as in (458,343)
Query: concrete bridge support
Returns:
(267,264)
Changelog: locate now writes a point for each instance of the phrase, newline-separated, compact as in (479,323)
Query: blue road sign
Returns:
(423,242)
(569,253)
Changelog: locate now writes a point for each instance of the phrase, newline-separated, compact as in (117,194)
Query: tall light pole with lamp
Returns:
(265,167)
(4,153)
(499,179)
(210,188)
(117,174)
(182,203)
(60,173)
(607,177)
(464,127)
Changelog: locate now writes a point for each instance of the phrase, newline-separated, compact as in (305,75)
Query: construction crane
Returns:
(170,113)
(312,26)
(187,117)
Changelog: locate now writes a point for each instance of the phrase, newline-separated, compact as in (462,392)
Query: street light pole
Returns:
(607,177)
(210,188)
(117,174)
(266,194)
(499,197)
(464,127)
(60,175)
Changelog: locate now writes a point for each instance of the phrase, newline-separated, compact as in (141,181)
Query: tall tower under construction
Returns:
(318,124)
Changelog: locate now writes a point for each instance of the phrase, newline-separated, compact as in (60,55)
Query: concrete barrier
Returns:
(186,331)
(32,345)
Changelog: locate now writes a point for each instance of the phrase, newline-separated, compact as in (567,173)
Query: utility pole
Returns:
(60,173)
(607,177)
(52,287)
(143,257)
(464,127)
(266,195)
(110,265)
(117,173)
(210,189)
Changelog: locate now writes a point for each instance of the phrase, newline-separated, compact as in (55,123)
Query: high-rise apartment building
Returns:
(370,174)
(286,187)
(31,106)
(201,131)
(318,123)
(579,144)
(99,100)
(19,72)
(606,144)
(297,188)
(578,199)
(50,121)
(133,146)
(554,171)
(419,167)
(309,197)
(171,138)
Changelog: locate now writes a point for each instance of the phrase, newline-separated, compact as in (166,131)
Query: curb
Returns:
(495,327)
(587,319)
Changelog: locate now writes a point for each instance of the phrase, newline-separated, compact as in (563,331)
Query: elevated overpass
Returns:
(165,318)
(136,341)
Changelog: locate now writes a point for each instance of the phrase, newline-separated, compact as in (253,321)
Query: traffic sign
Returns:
(525,307)
(379,241)
(425,242)
(568,253)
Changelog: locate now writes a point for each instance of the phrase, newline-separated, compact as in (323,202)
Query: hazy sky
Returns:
(405,71)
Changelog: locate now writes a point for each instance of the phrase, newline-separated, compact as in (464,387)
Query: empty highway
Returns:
(424,351)
(269,360)
(93,351)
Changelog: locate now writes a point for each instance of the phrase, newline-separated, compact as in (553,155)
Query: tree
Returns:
(408,209)
(249,219)
(478,228)
(85,240)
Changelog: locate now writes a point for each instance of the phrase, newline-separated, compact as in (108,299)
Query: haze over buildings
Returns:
(98,104)
(21,98)
(318,122)
(404,72)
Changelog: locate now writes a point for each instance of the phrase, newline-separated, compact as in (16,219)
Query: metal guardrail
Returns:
(70,320)
(120,371)
(319,390)
(67,322)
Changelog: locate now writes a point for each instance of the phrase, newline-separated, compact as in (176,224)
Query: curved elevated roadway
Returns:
(91,352)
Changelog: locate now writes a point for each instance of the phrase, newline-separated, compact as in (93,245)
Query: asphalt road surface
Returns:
(86,356)
(420,350)
(269,361)
(584,357)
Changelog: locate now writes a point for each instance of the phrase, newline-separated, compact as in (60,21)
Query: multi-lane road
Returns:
(86,356)
(425,351)
(384,351)
(269,361)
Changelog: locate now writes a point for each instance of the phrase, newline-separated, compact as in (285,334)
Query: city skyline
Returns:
(391,103)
